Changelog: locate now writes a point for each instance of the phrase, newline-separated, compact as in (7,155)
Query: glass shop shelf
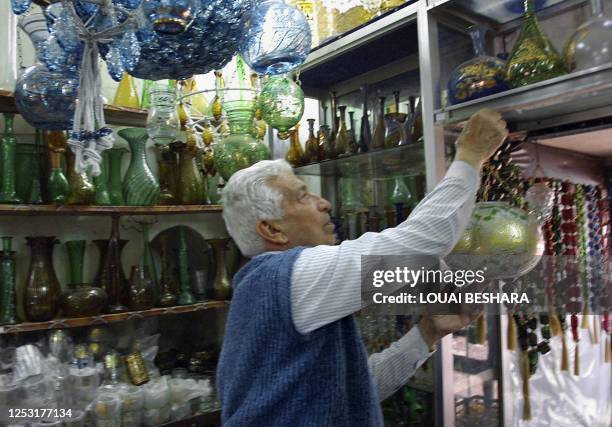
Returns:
(573,98)
(406,160)
(80,210)
(114,115)
(200,420)
(103,319)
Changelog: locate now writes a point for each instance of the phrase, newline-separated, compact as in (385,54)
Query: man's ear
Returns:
(271,232)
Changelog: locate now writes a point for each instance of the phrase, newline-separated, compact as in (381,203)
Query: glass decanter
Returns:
(533,58)
(481,76)
(342,137)
(46,99)
(378,139)
(591,44)
(311,153)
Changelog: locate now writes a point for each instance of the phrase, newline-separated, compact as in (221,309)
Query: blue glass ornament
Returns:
(481,76)
(20,6)
(276,38)
(129,49)
(208,44)
(129,4)
(114,63)
(170,16)
(45,99)
(53,55)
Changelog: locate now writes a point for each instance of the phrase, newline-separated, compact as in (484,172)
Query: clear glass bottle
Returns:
(163,122)
(591,44)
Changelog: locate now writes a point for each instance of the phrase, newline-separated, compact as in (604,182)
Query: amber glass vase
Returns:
(42,288)
(533,58)
(57,183)
(222,286)
(166,165)
(190,183)
(311,154)
(110,275)
(342,137)
(295,155)
(378,139)
(141,292)
(81,190)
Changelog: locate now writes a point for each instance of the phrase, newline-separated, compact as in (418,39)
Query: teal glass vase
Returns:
(7,283)
(140,186)
(7,163)
(102,196)
(75,249)
(27,173)
(185,296)
(113,159)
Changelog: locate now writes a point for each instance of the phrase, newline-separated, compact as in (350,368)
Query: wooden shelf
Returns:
(114,115)
(77,210)
(103,319)
(200,420)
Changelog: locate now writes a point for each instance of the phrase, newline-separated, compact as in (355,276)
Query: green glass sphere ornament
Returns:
(503,241)
(282,103)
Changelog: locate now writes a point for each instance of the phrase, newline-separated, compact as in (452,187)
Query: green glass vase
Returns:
(140,186)
(7,283)
(102,196)
(533,58)
(81,190)
(7,162)
(27,173)
(282,103)
(75,249)
(239,150)
(113,159)
(185,296)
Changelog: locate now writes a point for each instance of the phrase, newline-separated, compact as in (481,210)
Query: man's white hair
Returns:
(247,198)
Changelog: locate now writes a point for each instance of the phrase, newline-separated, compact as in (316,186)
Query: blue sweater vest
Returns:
(270,375)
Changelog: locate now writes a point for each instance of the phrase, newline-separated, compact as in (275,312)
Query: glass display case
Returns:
(558,122)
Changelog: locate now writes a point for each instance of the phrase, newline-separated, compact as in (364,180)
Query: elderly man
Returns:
(292,354)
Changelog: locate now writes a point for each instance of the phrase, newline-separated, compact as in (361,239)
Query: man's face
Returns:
(306,220)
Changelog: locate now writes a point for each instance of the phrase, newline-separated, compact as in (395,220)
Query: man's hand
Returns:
(435,327)
(481,137)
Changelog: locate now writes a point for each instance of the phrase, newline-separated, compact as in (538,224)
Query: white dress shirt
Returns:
(326,280)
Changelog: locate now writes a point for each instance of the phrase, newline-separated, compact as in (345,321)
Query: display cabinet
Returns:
(559,131)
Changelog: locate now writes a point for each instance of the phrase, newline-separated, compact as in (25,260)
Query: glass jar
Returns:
(163,122)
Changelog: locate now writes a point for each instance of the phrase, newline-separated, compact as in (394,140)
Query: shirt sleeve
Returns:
(392,368)
(326,280)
